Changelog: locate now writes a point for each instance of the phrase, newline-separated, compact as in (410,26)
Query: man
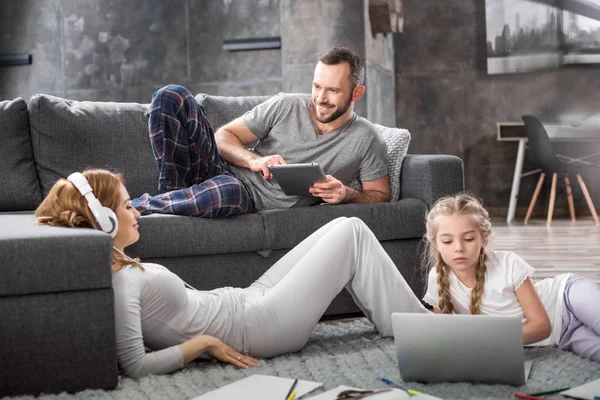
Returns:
(197,179)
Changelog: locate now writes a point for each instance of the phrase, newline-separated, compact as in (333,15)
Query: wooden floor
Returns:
(564,247)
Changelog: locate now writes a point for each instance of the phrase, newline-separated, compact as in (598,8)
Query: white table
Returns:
(514,131)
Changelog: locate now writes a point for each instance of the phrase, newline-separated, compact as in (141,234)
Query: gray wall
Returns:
(450,105)
(123,51)
(312,27)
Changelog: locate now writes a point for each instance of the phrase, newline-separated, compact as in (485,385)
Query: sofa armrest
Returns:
(46,259)
(429,177)
(57,307)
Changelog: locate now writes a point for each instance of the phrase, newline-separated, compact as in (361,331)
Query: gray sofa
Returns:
(56,299)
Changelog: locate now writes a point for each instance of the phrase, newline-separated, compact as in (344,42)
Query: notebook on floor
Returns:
(460,348)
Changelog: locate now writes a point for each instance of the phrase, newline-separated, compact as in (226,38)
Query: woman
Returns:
(275,315)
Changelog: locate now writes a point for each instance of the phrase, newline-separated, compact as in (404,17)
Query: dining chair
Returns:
(541,152)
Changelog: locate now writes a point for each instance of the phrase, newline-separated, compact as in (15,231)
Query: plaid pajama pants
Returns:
(194,180)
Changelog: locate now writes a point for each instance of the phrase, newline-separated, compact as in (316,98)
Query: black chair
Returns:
(541,153)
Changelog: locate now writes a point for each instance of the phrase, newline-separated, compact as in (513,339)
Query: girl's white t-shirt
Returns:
(505,273)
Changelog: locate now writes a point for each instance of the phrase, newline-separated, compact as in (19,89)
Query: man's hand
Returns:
(335,192)
(261,164)
(331,191)
(225,353)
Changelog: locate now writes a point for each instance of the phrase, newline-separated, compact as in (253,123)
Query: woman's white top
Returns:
(505,273)
(153,308)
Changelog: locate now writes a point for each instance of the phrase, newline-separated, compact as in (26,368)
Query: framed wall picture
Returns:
(528,35)
(581,27)
(522,35)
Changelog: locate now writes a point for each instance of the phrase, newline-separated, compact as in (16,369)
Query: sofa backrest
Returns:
(19,186)
(219,110)
(70,136)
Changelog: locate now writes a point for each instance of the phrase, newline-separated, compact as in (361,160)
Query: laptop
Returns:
(460,348)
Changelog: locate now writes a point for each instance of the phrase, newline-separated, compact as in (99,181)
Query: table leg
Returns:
(514,191)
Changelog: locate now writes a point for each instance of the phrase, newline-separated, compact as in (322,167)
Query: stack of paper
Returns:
(260,387)
(586,391)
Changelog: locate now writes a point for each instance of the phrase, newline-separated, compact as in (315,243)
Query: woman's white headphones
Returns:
(105,217)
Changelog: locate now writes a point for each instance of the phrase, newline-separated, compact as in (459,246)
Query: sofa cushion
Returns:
(388,221)
(166,236)
(48,259)
(163,236)
(19,186)
(72,135)
(220,110)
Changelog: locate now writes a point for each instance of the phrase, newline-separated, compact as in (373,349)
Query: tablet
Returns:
(296,179)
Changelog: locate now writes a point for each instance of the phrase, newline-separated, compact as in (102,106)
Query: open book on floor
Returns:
(390,394)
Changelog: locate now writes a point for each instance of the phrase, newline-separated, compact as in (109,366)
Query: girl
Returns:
(275,315)
(467,278)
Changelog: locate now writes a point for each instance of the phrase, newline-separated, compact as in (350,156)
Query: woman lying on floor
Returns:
(274,315)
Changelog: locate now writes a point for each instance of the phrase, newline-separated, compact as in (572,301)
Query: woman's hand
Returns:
(225,353)
(193,348)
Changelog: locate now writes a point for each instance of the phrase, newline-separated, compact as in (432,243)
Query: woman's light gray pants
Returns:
(284,305)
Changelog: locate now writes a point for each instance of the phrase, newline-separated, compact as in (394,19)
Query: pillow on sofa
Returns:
(71,135)
(19,186)
(219,110)
(397,141)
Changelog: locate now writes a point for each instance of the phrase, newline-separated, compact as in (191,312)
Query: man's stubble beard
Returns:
(338,113)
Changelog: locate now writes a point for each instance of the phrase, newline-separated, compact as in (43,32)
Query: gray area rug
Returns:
(345,353)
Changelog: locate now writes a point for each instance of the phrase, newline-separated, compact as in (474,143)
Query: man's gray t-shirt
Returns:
(284,126)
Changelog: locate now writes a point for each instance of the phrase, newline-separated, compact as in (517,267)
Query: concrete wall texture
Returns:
(450,105)
(430,79)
